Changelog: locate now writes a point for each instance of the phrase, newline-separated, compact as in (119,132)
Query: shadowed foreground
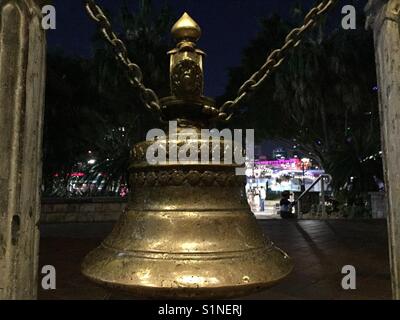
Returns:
(319,248)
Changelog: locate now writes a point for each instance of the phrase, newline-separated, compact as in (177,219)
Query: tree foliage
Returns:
(323,98)
(90,105)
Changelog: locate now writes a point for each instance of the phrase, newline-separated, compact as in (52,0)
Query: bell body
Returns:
(187,232)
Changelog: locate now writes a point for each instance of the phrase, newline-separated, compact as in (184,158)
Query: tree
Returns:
(322,98)
(91,106)
(67,116)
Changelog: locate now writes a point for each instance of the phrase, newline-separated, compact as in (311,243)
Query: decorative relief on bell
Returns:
(186,69)
(186,79)
(186,177)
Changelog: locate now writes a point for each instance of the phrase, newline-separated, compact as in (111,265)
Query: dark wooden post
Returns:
(384,18)
(22,80)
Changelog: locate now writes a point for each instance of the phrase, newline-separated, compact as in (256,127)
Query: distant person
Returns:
(263,196)
(256,199)
(286,206)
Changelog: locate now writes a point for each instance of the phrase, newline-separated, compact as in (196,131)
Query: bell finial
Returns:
(186,29)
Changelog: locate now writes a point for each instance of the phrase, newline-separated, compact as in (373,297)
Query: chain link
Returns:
(133,71)
(275,59)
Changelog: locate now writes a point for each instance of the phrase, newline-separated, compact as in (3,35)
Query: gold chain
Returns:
(275,59)
(133,71)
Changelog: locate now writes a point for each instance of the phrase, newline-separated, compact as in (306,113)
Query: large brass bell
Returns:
(188,231)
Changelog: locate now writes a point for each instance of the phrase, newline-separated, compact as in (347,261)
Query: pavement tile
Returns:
(320,248)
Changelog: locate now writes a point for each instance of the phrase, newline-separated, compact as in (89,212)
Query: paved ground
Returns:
(320,250)
(270,211)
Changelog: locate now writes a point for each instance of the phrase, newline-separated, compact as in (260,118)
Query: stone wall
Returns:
(81,210)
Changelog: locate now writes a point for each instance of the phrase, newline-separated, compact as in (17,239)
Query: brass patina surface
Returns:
(188,231)
(186,29)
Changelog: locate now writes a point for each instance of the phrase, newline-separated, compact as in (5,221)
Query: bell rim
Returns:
(231,289)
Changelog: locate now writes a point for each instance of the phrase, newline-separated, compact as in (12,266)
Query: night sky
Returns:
(228,27)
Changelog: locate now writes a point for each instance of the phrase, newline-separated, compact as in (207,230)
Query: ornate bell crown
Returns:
(187,102)
(186,29)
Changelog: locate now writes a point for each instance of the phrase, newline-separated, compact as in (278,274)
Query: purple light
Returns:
(279,162)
